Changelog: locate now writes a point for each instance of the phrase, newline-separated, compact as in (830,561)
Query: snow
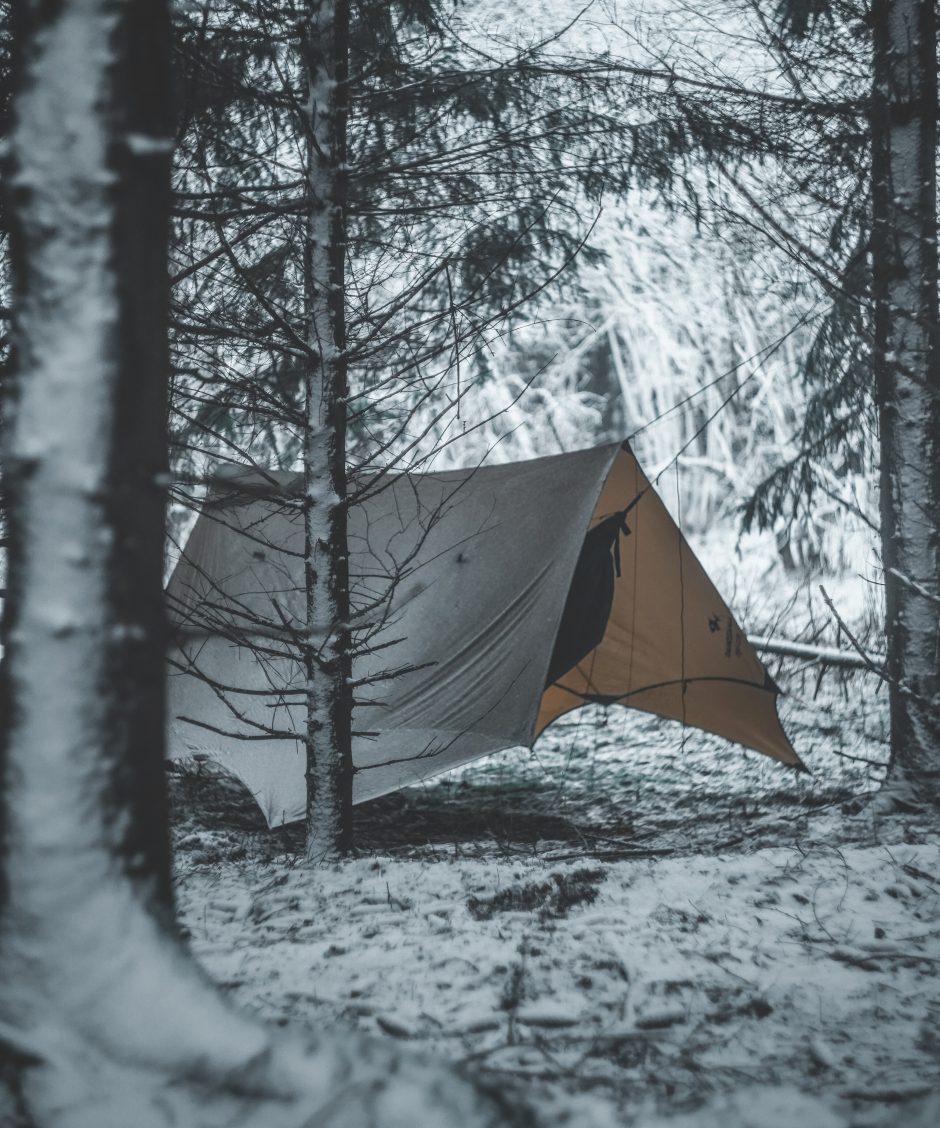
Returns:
(629,925)
(785,983)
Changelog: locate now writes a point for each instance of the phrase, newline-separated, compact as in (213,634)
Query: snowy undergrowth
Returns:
(762,989)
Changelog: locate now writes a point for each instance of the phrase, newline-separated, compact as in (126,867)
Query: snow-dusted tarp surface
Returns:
(459,581)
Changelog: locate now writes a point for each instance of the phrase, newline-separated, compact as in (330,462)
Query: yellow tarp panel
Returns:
(671,646)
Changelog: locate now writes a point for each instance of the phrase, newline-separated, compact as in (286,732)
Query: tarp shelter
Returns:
(509,595)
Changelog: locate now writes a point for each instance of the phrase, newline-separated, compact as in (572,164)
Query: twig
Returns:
(914,586)
(876,670)
(890,1094)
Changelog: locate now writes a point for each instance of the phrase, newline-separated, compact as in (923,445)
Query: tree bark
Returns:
(87,945)
(85,466)
(85,449)
(327,665)
(907,375)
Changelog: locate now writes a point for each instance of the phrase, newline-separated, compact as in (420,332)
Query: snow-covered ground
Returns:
(790,985)
(627,931)
(629,925)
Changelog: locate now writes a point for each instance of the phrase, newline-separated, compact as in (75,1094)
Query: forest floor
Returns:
(716,956)
(629,925)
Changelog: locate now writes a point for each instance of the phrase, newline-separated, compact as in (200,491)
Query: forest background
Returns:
(407,236)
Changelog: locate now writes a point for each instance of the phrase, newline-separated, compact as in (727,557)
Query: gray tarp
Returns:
(460,579)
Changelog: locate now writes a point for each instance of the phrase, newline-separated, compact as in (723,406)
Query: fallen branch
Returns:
(611,855)
(828,655)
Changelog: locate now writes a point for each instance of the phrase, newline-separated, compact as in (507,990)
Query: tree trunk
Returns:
(84,470)
(326,652)
(87,944)
(85,449)
(907,372)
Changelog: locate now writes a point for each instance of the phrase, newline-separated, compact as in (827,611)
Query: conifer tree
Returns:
(326,652)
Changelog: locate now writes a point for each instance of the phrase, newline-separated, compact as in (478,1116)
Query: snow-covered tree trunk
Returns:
(907,369)
(84,470)
(327,651)
(85,448)
(88,955)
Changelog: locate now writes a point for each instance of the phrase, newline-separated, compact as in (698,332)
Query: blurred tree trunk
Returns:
(907,370)
(88,956)
(327,645)
(85,468)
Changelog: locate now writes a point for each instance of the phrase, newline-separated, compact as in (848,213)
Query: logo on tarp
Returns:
(733,637)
